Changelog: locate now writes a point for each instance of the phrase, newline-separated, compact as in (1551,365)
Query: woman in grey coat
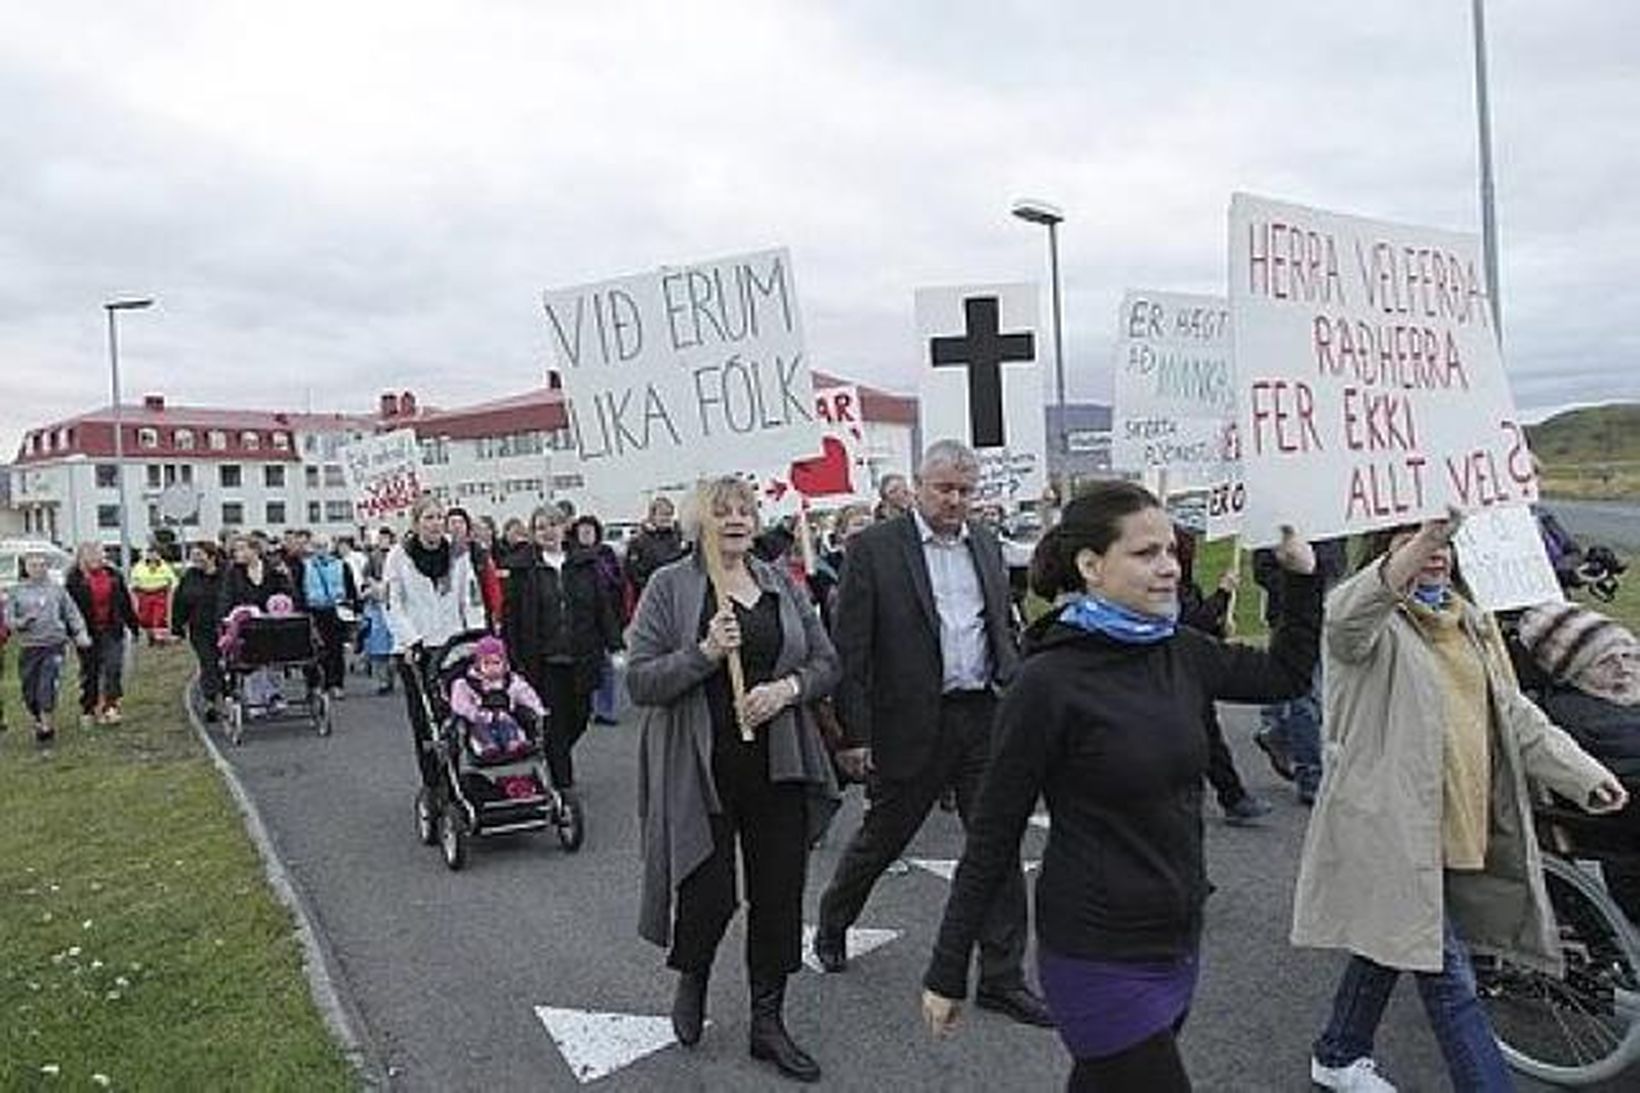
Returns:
(704,786)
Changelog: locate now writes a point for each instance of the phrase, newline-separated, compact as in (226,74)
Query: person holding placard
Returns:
(1421,843)
(716,772)
(1108,721)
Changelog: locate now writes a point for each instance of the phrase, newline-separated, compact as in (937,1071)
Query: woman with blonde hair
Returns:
(716,772)
(1421,844)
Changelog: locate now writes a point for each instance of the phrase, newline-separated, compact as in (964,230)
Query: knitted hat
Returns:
(1566,639)
(490,646)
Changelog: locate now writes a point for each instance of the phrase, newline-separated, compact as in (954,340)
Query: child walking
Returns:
(43,618)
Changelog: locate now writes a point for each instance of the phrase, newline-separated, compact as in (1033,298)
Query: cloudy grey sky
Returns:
(332,198)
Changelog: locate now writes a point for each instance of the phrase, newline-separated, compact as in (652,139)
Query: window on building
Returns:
(273,476)
(334,478)
(108,476)
(250,440)
(338,512)
(172,474)
(187,472)
(436,450)
(62,440)
(217,440)
(230,475)
(309,443)
(183,439)
(275,513)
(312,476)
(153,476)
(108,516)
(281,442)
(315,513)
(147,437)
(155,520)
(233,513)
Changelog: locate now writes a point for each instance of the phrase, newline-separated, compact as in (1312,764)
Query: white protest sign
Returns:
(684,372)
(1372,391)
(1503,561)
(1175,399)
(982,383)
(837,475)
(383,473)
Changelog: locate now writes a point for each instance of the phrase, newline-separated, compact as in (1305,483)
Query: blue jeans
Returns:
(1455,1016)
(1296,726)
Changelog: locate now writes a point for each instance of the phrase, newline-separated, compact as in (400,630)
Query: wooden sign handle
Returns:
(720,590)
(1230,608)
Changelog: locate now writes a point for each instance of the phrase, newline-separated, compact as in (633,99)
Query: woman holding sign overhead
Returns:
(1421,842)
(717,769)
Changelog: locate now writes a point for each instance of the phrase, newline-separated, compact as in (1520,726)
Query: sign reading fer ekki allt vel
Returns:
(686,371)
(1372,391)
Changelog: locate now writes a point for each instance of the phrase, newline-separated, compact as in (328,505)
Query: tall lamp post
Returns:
(1040,212)
(113,307)
(1483,120)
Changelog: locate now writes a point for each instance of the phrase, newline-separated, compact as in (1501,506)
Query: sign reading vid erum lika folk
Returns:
(687,371)
(1175,406)
(1372,391)
(383,473)
(982,382)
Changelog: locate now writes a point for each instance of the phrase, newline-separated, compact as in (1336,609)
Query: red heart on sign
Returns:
(826,475)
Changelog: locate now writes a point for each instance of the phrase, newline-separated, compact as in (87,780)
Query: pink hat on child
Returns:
(490,646)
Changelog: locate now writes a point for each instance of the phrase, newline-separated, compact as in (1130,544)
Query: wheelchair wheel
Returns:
(571,822)
(426,817)
(452,836)
(1584,1026)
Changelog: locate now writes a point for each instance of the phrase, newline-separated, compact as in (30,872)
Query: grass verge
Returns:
(140,945)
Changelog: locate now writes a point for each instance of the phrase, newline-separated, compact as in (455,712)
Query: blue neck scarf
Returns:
(1123,624)
(1432,596)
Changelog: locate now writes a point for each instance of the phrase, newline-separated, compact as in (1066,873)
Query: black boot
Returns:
(770,1040)
(689,1006)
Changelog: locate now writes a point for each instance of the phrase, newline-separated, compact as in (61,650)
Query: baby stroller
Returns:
(280,644)
(479,797)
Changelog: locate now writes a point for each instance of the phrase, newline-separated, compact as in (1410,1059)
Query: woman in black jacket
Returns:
(558,622)
(251,581)
(1107,720)
(196,614)
(100,592)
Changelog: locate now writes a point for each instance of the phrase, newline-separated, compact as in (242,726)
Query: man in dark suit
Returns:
(924,628)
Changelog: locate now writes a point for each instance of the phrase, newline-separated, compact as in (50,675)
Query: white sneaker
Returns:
(1360,1076)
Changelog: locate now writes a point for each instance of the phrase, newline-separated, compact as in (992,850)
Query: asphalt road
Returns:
(445,969)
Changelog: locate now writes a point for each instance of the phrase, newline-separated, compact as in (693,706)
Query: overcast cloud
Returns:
(330,199)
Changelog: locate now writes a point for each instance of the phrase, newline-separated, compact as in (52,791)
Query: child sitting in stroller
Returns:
(490,699)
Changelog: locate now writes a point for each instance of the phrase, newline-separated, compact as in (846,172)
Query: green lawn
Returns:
(140,946)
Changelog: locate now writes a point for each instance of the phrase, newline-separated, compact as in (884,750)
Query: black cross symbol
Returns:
(983,350)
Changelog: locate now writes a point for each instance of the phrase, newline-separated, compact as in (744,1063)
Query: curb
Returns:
(339,1013)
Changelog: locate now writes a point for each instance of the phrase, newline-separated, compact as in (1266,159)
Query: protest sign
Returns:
(1176,399)
(687,371)
(982,383)
(383,473)
(1372,391)
(1503,561)
(836,475)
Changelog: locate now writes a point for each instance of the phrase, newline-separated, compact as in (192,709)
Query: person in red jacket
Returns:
(98,590)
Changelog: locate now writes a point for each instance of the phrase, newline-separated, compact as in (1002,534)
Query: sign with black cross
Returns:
(982,382)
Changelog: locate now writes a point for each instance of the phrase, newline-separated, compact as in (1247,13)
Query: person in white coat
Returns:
(432,596)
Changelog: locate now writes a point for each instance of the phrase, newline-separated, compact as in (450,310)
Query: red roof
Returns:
(92,434)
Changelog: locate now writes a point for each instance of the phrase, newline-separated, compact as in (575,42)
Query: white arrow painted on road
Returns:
(860,942)
(946,868)
(596,1045)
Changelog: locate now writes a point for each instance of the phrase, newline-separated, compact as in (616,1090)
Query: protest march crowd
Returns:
(893,650)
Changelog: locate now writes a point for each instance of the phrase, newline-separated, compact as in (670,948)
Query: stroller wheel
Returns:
(426,818)
(236,722)
(571,822)
(452,837)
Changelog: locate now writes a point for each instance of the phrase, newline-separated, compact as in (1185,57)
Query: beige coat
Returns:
(1371,877)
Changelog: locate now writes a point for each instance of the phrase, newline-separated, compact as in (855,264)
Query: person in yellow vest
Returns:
(152,582)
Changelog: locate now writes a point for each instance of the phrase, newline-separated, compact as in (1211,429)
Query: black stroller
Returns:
(473,796)
(278,645)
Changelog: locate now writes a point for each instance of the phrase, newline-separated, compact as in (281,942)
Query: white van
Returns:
(58,560)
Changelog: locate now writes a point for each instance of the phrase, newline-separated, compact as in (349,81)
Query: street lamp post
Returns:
(1483,120)
(112,307)
(1040,212)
